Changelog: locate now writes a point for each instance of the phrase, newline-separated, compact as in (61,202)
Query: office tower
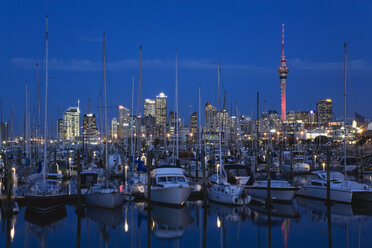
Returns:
(124,122)
(149,107)
(324,111)
(60,130)
(90,131)
(194,124)
(114,128)
(161,109)
(71,123)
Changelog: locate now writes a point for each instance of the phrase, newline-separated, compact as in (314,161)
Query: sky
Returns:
(245,36)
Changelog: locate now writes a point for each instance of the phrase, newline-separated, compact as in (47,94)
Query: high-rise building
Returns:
(324,111)
(194,124)
(90,131)
(114,128)
(124,122)
(211,125)
(161,109)
(60,130)
(71,123)
(283,71)
(149,107)
(4,131)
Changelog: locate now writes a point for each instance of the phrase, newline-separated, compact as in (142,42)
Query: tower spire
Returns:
(283,71)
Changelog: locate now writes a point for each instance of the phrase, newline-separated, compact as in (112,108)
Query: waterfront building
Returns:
(149,108)
(211,123)
(161,109)
(90,131)
(324,111)
(194,124)
(60,130)
(71,124)
(114,128)
(124,122)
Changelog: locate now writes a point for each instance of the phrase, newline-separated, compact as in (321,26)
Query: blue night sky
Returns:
(244,35)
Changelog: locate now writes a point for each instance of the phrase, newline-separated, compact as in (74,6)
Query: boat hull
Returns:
(217,195)
(104,200)
(170,195)
(321,193)
(45,203)
(277,194)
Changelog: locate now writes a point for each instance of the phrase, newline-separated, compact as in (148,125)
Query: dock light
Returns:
(153,224)
(12,233)
(126,226)
(323,165)
(218,222)
(278,133)
(191,134)
(302,133)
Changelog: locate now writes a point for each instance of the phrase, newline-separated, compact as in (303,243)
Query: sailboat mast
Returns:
(345,132)
(219,116)
(105,95)
(39,111)
(199,118)
(131,125)
(46,100)
(176,106)
(27,126)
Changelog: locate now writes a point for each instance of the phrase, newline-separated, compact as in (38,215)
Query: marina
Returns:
(156,145)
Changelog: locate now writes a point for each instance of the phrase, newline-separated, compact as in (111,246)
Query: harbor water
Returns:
(304,223)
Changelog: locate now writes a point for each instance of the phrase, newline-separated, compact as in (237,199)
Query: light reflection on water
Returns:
(305,223)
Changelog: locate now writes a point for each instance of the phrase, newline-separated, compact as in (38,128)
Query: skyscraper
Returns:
(324,111)
(194,123)
(161,109)
(114,128)
(71,123)
(283,71)
(60,130)
(124,122)
(149,107)
(90,131)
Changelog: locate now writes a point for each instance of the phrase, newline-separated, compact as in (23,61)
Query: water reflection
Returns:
(169,223)
(134,225)
(41,224)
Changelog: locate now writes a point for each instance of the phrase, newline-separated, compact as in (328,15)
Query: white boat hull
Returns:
(321,193)
(277,194)
(170,195)
(104,200)
(216,195)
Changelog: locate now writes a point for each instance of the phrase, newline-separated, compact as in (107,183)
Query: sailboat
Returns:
(219,189)
(104,195)
(45,195)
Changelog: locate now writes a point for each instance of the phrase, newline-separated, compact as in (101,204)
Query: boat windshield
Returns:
(172,179)
(181,179)
(162,179)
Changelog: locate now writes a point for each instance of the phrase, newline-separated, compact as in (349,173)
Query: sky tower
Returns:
(283,71)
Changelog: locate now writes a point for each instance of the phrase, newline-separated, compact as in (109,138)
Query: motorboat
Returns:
(237,174)
(341,190)
(280,189)
(298,166)
(169,186)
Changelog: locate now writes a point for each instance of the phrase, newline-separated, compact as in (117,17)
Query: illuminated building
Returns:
(149,107)
(283,71)
(161,109)
(114,128)
(90,131)
(211,122)
(194,124)
(71,123)
(124,122)
(324,111)
(60,130)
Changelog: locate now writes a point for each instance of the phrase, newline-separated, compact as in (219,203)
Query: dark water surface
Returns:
(305,223)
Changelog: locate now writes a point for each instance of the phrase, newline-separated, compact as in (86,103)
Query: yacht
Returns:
(341,190)
(104,196)
(280,189)
(169,186)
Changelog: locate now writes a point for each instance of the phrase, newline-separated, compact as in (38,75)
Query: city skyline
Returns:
(249,55)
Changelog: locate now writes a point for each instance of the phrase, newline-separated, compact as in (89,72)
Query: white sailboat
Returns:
(104,195)
(219,189)
(45,195)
